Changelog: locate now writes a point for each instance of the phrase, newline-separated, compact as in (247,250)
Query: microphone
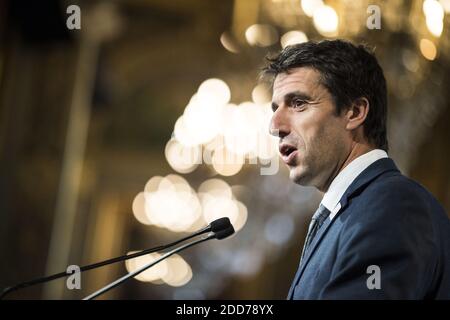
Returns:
(224,232)
(219,226)
(222,229)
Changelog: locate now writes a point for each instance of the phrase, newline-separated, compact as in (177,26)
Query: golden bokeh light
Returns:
(214,91)
(227,163)
(174,270)
(201,119)
(183,135)
(221,135)
(174,210)
(179,271)
(179,183)
(182,158)
(215,187)
(428,49)
(293,37)
(138,208)
(152,184)
(170,202)
(218,207)
(173,205)
(445,5)
(228,43)
(261,94)
(326,21)
(241,135)
(152,274)
(435,26)
(262,35)
(433,9)
(434,15)
(241,218)
(267,143)
(310,6)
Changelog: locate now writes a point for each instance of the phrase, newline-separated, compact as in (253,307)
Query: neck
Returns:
(357,149)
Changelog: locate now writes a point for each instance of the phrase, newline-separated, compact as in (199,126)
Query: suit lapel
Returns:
(368,175)
(372,172)
(309,252)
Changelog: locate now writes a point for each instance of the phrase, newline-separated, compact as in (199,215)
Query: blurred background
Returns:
(149,122)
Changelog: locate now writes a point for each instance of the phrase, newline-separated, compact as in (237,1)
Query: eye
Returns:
(298,103)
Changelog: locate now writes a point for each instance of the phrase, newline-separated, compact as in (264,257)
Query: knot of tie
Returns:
(320,215)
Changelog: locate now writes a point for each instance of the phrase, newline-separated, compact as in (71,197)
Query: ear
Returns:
(357,113)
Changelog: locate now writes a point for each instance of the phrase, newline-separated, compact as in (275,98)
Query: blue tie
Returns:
(316,222)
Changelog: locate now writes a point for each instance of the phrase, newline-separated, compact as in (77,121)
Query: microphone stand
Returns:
(142,269)
(8,290)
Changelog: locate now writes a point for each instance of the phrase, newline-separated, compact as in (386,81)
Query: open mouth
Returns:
(288,153)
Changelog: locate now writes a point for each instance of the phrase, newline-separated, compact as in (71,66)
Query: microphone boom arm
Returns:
(55,276)
(219,228)
(142,269)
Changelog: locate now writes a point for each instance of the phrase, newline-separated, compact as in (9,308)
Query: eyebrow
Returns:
(288,97)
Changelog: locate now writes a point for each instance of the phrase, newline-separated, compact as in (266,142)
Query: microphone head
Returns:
(220,224)
(225,233)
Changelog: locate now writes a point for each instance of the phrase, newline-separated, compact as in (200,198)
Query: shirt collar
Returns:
(344,178)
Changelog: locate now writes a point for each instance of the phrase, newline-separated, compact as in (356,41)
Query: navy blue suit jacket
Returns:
(385,220)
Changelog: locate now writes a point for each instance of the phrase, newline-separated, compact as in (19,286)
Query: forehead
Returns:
(303,79)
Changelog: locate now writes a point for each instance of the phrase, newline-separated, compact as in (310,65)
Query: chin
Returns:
(299,176)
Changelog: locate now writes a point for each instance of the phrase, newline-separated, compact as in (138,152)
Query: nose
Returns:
(279,124)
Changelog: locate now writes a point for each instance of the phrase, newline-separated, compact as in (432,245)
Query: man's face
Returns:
(313,140)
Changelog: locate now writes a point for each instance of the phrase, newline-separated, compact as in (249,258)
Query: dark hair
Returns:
(349,72)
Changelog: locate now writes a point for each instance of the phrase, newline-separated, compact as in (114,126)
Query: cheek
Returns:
(330,138)
(320,137)
(309,133)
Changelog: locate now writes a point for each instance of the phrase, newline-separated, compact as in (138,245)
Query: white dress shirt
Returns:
(344,178)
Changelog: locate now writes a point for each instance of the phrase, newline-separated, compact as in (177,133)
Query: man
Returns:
(376,234)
